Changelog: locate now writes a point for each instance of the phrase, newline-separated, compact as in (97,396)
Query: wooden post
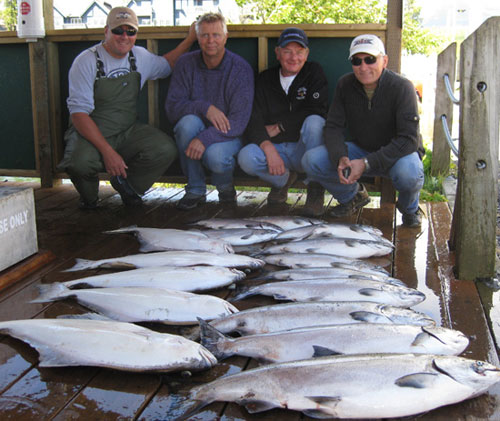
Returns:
(477,190)
(153,91)
(41,110)
(393,50)
(443,106)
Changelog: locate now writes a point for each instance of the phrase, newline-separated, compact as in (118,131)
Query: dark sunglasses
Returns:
(356,61)
(119,31)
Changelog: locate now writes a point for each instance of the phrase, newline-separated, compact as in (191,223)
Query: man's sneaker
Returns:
(280,194)
(315,200)
(227,197)
(413,220)
(127,193)
(345,209)
(84,205)
(190,201)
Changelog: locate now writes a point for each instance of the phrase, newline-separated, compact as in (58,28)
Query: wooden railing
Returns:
(473,235)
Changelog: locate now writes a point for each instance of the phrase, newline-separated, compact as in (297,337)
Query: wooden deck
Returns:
(27,392)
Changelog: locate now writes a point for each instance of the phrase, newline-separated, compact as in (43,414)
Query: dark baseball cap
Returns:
(293,35)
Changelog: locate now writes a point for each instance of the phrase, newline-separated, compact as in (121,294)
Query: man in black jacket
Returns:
(372,128)
(288,116)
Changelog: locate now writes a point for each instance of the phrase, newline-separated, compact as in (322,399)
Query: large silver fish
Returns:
(358,338)
(228,223)
(356,231)
(319,272)
(160,239)
(354,289)
(352,386)
(274,318)
(183,278)
(117,345)
(314,260)
(142,304)
(355,249)
(287,222)
(169,258)
(242,236)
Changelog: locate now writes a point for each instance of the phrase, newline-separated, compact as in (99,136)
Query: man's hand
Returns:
(357,167)
(273,130)
(195,149)
(275,164)
(114,163)
(218,119)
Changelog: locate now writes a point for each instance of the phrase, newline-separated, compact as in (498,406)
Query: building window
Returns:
(198,2)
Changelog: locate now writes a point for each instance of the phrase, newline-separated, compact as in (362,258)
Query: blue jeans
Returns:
(252,158)
(218,158)
(407,176)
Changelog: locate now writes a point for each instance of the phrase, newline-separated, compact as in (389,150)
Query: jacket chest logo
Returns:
(301,93)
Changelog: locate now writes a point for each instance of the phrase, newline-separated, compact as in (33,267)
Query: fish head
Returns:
(477,375)
(399,315)
(409,295)
(454,340)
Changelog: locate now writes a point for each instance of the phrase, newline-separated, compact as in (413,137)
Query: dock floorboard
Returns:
(421,259)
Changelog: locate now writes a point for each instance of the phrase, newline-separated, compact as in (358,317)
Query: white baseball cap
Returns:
(368,44)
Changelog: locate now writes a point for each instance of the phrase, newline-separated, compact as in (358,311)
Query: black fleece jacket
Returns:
(307,95)
(387,126)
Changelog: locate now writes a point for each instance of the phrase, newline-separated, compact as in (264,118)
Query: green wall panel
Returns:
(17,150)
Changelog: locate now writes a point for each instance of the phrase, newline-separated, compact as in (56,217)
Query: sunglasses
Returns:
(356,61)
(119,31)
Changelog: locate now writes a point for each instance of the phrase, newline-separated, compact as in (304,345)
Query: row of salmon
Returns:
(339,306)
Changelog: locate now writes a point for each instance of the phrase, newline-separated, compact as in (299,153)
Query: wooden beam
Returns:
(394,34)
(41,110)
(443,106)
(475,217)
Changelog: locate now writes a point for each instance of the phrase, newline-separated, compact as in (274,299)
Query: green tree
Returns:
(9,14)
(415,39)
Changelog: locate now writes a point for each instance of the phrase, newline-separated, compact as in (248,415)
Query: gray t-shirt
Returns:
(82,73)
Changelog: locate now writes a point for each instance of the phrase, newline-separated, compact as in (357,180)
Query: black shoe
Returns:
(127,193)
(345,209)
(315,200)
(190,201)
(413,220)
(84,205)
(227,197)
(280,194)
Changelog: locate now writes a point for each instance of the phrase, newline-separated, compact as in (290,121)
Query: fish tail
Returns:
(243,293)
(81,264)
(51,292)
(213,340)
(189,405)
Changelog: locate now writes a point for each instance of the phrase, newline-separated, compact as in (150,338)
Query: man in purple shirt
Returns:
(209,100)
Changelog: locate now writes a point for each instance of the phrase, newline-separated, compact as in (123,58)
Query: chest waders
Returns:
(147,151)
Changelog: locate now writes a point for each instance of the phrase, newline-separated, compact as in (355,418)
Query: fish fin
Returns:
(280,297)
(52,292)
(254,406)
(302,265)
(366,316)
(321,351)
(81,285)
(243,293)
(312,250)
(147,247)
(326,408)
(417,380)
(212,339)
(81,264)
(368,291)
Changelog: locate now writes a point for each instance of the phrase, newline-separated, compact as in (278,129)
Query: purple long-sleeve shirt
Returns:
(229,87)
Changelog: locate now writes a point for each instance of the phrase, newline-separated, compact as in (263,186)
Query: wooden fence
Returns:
(473,234)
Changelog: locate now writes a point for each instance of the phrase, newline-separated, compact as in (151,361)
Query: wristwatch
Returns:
(367,164)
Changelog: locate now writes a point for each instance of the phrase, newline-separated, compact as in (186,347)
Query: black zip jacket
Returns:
(387,126)
(307,95)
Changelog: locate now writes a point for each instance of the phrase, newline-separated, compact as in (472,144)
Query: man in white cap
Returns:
(288,116)
(104,133)
(372,129)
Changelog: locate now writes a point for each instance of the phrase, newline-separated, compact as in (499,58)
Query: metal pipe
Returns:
(449,89)
(447,134)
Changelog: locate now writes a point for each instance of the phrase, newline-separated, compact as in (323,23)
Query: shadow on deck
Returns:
(421,259)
